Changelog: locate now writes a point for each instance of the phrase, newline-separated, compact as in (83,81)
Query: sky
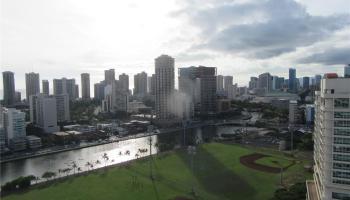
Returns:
(241,38)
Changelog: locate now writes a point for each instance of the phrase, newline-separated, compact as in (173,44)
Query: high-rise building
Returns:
(318,81)
(152,84)
(124,81)
(253,83)
(109,76)
(116,98)
(46,113)
(292,83)
(14,123)
(228,80)
(265,82)
(165,86)
(9,87)
(62,107)
(76,91)
(18,96)
(347,71)
(199,84)
(331,139)
(306,82)
(32,84)
(99,90)
(140,84)
(46,87)
(85,86)
(65,86)
(219,83)
(232,91)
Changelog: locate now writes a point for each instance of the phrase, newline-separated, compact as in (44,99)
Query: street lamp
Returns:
(192,151)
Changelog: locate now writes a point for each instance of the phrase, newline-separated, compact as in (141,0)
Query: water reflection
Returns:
(117,152)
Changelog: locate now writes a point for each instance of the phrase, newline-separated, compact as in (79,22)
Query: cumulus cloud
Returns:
(331,56)
(260,29)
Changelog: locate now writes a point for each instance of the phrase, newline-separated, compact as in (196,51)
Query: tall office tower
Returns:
(232,91)
(46,87)
(274,82)
(228,80)
(279,83)
(76,91)
(14,123)
(292,84)
(109,76)
(253,83)
(124,81)
(32,84)
(62,107)
(219,83)
(8,87)
(190,87)
(85,86)
(199,84)
(306,82)
(140,84)
(318,81)
(207,77)
(18,96)
(265,82)
(165,86)
(331,139)
(99,89)
(45,113)
(116,98)
(347,71)
(149,84)
(65,86)
(152,85)
(32,108)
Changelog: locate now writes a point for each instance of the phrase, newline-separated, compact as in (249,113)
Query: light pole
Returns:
(192,151)
(149,130)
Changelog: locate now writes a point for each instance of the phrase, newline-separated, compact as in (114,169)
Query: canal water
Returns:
(116,152)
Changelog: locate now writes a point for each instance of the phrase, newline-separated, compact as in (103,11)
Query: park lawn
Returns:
(274,161)
(217,174)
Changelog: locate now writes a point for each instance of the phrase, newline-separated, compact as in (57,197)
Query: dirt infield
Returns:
(249,161)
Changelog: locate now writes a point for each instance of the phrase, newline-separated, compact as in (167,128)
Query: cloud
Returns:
(331,56)
(260,29)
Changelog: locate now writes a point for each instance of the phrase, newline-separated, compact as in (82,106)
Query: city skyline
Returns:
(92,45)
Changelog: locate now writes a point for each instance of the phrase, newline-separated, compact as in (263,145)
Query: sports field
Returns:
(217,174)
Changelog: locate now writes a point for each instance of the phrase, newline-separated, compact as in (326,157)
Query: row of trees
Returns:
(18,184)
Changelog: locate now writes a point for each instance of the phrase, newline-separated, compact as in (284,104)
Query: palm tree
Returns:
(88,165)
(74,166)
(106,158)
(79,169)
(137,156)
(98,162)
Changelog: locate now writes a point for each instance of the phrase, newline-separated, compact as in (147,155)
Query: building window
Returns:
(340,157)
(338,181)
(339,174)
(341,149)
(342,115)
(341,123)
(341,196)
(344,132)
(341,166)
(339,140)
(341,103)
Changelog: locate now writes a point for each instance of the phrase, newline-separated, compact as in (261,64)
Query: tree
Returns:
(47,175)
(74,166)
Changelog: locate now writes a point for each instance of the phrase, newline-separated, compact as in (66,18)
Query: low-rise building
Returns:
(33,142)
(18,144)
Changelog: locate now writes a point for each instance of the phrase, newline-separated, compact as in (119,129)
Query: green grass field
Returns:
(218,174)
(274,161)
